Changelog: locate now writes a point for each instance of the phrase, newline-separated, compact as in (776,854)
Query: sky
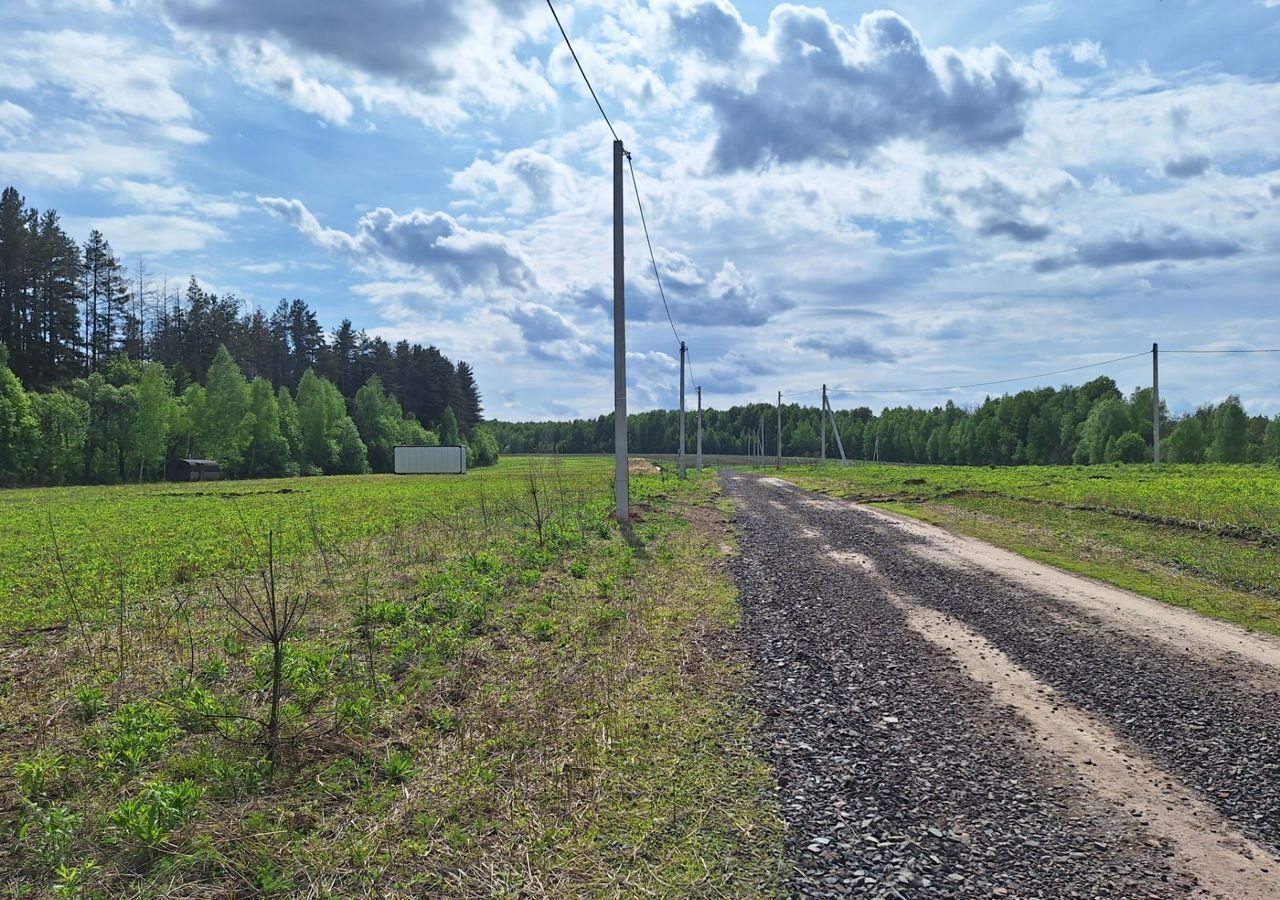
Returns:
(887,200)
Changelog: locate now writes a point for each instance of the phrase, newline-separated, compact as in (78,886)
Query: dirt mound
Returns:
(637,466)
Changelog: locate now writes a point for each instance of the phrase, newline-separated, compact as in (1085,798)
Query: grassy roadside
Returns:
(492,711)
(1204,540)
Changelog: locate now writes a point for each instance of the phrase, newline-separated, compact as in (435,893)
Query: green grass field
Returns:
(492,691)
(155,536)
(1206,537)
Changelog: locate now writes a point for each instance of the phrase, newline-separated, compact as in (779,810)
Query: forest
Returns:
(1088,424)
(106,373)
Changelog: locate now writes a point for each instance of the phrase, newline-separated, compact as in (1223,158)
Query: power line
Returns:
(956,387)
(661,293)
(634,183)
(574,53)
(1220,351)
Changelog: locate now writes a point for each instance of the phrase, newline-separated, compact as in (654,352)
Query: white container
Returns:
(431,460)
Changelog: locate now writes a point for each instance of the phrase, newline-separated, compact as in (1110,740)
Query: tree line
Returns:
(106,374)
(1085,425)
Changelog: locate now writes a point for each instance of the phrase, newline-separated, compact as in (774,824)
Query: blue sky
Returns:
(918,195)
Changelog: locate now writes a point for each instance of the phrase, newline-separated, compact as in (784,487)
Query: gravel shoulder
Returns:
(944,730)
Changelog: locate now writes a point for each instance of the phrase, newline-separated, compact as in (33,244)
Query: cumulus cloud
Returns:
(525,179)
(541,324)
(837,94)
(1139,245)
(846,346)
(434,244)
(712,28)
(420,56)
(696,296)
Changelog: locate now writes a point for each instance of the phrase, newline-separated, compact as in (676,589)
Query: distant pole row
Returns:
(826,412)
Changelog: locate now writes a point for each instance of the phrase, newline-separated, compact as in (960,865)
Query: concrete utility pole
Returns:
(683,351)
(1155,402)
(835,430)
(621,474)
(778,461)
(822,414)
(699,428)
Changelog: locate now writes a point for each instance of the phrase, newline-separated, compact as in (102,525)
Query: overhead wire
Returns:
(1220,351)
(574,54)
(652,259)
(957,387)
(634,184)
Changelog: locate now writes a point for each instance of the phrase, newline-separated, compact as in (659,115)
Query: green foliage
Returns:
(398,766)
(225,428)
(62,421)
(1187,442)
(146,823)
(49,831)
(74,880)
(138,737)
(90,705)
(18,427)
(485,446)
(39,774)
(269,452)
(155,417)
(450,436)
(1230,432)
(542,629)
(330,441)
(1126,448)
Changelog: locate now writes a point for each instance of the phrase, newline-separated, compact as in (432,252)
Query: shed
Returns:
(193,470)
(431,460)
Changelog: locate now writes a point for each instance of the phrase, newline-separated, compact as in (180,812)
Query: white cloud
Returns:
(431,244)
(111,74)
(435,60)
(13,118)
(151,235)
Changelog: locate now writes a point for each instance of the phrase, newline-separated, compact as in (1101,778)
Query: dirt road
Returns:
(949,720)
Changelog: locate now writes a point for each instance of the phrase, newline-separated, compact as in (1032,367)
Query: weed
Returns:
(90,704)
(145,823)
(50,831)
(272,882)
(140,735)
(542,629)
(443,719)
(578,569)
(398,767)
(384,613)
(73,880)
(212,670)
(39,774)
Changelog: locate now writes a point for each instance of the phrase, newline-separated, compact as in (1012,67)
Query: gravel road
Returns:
(941,727)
